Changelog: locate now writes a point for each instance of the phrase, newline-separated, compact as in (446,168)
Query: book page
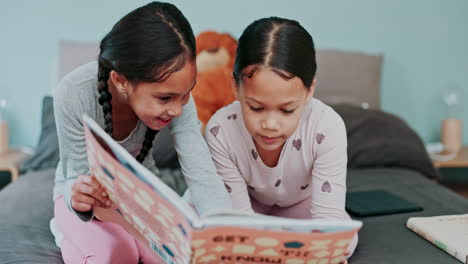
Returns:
(141,206)
(232,245)
(259,221)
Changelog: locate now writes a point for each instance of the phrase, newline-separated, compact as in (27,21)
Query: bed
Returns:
(383,152)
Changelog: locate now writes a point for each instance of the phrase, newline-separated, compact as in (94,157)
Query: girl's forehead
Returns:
(267,82)
(178,82)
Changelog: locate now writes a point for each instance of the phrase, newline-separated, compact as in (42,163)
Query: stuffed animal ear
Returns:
(212,58)
(211,40)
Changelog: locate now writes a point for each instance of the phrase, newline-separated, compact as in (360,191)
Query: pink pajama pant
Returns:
(96,241)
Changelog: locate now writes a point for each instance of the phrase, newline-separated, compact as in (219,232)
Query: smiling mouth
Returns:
(164,121)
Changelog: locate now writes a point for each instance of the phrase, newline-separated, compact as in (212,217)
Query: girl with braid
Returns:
(278,150)
(140,84)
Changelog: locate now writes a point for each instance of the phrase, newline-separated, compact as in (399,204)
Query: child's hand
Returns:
(87,192)
(345,260)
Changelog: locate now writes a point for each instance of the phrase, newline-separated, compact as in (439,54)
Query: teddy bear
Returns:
(215,61)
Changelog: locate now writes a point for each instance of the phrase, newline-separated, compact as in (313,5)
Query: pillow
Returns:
(345,77)
(46,153)
(74,54)
(376,139)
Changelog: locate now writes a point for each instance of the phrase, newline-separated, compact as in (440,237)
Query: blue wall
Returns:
(425,44)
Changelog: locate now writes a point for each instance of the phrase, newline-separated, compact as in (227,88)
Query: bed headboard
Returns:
(348,77)
(73,54)
(342,77)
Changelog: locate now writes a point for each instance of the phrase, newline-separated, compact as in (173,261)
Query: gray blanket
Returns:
(26,208)
(385,239)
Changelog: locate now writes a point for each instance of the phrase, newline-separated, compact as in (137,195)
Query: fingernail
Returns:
(108,203)
(87,179)
(104,194)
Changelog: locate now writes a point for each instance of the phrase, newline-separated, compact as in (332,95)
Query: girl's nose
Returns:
(270,124)
(175,110)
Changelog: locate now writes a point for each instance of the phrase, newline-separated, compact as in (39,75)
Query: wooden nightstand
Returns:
(11,160)
(460,161)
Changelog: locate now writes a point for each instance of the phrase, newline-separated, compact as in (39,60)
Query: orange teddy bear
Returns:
(215,61)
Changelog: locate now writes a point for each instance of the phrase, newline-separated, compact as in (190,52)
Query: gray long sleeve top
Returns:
(77,94)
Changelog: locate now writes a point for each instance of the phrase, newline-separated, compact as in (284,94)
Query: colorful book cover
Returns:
(448,232)
(159,218)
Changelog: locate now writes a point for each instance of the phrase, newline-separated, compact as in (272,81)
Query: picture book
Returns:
(448,232)
(163,221)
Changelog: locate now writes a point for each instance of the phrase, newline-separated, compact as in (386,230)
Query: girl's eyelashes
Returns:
(164,98)
(255,109)
(186,98)
(258,109)
(288,111)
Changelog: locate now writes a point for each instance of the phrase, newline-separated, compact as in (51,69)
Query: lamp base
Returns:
(452,134)
(3,137)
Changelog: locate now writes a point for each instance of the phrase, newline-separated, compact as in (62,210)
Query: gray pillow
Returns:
(379,139)
(46,154)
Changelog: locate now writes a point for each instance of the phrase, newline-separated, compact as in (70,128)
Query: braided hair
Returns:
(147,45)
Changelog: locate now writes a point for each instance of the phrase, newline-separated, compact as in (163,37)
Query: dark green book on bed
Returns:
(377,202)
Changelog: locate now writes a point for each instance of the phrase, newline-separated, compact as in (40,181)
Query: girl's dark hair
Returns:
(279,43)
(146,45)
